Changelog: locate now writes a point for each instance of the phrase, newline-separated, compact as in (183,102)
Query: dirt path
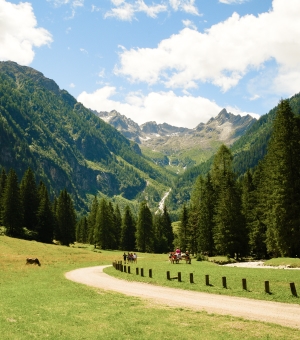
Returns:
(274,312)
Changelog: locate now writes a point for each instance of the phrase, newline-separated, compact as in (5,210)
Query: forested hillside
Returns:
(247,152)
(66,145)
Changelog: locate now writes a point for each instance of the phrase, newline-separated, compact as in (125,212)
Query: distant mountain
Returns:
(178,148)
(66,145)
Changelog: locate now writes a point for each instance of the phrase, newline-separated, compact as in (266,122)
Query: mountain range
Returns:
(178,148)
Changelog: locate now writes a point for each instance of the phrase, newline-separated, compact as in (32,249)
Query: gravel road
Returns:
(280,313)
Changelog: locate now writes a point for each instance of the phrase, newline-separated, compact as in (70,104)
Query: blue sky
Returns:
(174,61)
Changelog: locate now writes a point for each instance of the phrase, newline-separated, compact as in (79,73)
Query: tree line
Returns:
(26,210)
(257,213)
(105,227)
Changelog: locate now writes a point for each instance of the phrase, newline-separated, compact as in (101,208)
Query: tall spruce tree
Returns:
(255,212)
(118,227)
(3,178)
(30,200)
(91,219)
(128,230)
(206,218)
(230,234)
(282,189)
(82,230)
(104,229)
(45,218)
(144,229)
(66,219)
(161,242)
(183,233)
(12,213)
(167,229)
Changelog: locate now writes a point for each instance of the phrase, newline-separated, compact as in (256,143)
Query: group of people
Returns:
(130,257)
(179,254)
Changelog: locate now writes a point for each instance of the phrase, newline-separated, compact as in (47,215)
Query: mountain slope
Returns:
(64,143)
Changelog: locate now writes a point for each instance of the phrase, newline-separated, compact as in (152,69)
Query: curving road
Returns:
(275,312)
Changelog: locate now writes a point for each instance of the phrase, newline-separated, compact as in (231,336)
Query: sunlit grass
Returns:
(40,303)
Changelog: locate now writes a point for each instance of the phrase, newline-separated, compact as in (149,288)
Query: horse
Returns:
(33,261)
(174,258)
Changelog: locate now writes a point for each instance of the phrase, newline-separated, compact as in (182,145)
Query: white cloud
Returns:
(72,85)
(224,53)
(187,6)
(229,2)
(126,10)
(19,33)
(189,23)
(186,111)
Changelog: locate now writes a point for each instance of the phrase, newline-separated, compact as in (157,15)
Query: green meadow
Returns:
(40,303)
(279,279)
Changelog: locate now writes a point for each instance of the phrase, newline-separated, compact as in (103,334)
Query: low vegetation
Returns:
(39,303)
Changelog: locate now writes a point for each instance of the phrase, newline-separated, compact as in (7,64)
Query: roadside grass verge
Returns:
(40,303)
(279,279)
(283,261)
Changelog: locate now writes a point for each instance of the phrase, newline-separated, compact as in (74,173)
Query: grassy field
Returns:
(39,303)
(279,279)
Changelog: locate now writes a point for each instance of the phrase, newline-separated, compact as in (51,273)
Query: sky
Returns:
(174,61)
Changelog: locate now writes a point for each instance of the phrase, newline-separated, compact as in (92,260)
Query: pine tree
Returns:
(255,213)
(66,219)
(30,200)
(82,230)
(92,220)
(118,227)
(206,218)
(103,235)
(3,178)
(128,231)
(183,229)
(12,214)
(160,240)
(230,234)
(282,190)
(144,229)
(111,227)
(167,230)
(45,218)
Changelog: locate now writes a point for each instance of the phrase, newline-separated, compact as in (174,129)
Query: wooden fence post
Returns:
(267,287)
(179,277)
(293,289)
(244,282)
(137,271)
(168,275)
(224,283)
(128,269)
(207,280)
(150,273)
(191,278)
(125,269)
(121,268)
(142,271)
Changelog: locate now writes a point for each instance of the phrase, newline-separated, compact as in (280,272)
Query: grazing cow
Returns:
(33,261)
